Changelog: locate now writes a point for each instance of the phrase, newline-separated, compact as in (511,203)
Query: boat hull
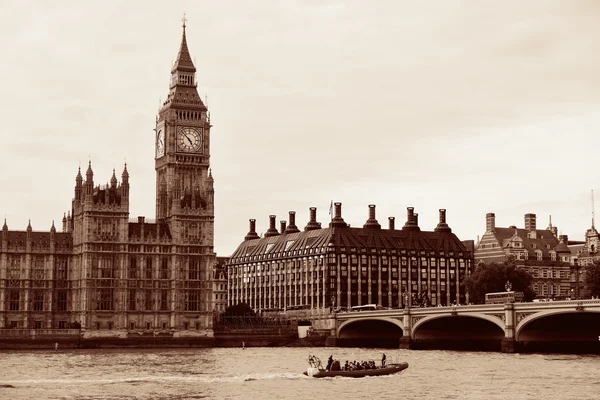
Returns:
(361,373)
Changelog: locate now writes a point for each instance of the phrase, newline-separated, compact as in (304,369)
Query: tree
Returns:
(592,279)
(489,278)
(239,310)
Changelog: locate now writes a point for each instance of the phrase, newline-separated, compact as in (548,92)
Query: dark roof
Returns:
(543,239)
(150,230)
(62,240)
(361,239)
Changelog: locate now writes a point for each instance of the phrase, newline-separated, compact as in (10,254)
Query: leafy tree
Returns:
(489,278)
(592,279)
(239,310)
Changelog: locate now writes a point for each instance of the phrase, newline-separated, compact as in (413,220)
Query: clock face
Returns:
(160,143)
(189,139)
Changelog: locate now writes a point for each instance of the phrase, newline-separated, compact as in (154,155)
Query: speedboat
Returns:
(317,371)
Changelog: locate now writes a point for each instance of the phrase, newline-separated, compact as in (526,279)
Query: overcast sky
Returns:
(473,106)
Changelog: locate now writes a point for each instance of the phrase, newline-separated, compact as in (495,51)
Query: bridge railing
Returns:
(37,333)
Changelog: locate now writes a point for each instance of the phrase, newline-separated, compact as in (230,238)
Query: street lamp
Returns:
(508,286)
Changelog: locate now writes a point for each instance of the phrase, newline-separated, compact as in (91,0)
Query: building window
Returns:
(13,300)
(38,300)
(133,268)
(164,295)
(132,294)
(148,267)
(164,268)
(105,299)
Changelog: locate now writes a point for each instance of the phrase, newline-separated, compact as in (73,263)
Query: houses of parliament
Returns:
(101,270)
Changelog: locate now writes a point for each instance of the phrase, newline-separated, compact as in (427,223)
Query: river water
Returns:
(276,373)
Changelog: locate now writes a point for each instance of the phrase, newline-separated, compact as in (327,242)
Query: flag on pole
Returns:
(331,209)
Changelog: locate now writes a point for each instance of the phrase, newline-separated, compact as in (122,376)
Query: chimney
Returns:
(141,220)
(416,219)
(252,232)
(372,221)
(283,225)
(490,222)
(291,228)
(312,223)
(272,231)
(564,239)
(337,220)
(392,224)
(530,222)
(411,219)
(442,226)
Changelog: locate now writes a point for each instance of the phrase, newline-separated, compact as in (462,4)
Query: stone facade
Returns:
(107,272)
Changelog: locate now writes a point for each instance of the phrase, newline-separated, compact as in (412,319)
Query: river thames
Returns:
(276,373)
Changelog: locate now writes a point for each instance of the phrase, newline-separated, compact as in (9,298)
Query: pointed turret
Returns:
(125,174)
(52,228)
(5,227)
(113,180)
(79,178)
(64,222)
(29,227)
(89,174)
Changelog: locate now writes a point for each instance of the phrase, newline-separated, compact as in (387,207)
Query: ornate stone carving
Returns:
(521,316)
(501,317)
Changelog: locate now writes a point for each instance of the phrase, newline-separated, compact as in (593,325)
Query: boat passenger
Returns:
(383,361)
(346,366)
(329,362)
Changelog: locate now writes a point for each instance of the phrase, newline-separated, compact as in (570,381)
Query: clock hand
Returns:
(189,140)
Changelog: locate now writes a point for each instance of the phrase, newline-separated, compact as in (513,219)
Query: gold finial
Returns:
(184,20)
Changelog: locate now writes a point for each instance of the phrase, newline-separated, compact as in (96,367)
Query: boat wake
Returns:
(157,379)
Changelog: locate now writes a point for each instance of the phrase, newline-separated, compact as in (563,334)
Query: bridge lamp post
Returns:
(508,286)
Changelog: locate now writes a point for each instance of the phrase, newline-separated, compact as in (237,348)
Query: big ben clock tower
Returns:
(184,183)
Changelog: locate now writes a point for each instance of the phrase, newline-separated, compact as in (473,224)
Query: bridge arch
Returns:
(345,324)
(521,325)
(493,319)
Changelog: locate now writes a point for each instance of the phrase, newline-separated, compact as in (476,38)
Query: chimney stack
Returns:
(392,224)
(312,223)
(283,225)
(490,222)
(411,219)
(337,220)
(530,222)
(442,226)
(252,232)
(272,231)
(372,221)
(291,228)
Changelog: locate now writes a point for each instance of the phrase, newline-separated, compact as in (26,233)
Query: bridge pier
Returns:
(406,339)
(406,343)
(508,344)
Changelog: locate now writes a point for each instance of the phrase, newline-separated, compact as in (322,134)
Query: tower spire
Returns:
(593,209)
(184,60)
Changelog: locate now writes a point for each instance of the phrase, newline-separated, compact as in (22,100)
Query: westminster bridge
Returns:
(535,326)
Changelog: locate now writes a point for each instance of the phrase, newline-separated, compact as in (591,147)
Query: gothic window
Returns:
(192,300)
(38,265)
(13,300)
(164,268)
(105,301)
(164,295)
(133,268)
(15,268)
(38,300)
(132,296)
(148,267)
(61,300)
(194,268)
(148,300)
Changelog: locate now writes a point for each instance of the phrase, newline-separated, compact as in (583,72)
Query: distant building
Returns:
(340,266)
(220,284)
(541,252)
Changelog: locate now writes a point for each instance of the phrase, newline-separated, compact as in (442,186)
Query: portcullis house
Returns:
(343,266)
